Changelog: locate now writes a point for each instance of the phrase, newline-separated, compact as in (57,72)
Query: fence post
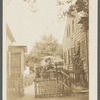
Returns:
(35,88)
(56,71)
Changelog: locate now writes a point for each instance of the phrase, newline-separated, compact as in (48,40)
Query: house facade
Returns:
(75,42)
(15,64)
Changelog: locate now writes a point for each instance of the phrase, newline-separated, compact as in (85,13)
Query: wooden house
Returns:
(15,64)
(15,80)
(75,37)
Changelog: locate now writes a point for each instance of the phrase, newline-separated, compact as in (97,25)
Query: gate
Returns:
(58,86)
(45,87)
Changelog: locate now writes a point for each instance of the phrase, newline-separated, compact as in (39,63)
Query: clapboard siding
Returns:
(76,36)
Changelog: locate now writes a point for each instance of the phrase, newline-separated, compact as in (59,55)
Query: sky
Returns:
(28,27)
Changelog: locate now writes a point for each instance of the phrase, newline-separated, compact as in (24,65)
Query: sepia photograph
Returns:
(46,49)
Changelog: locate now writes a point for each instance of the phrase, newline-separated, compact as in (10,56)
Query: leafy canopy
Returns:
(48,46)
(80,6)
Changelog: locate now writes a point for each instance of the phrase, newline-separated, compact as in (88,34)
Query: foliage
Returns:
(77,63)
(32,4)
(80,6)
(31,60)
(70,11)
(48,46)
(78,66)
(49,63)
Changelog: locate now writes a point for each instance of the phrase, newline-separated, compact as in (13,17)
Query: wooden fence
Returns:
(45,87)
(52,87)
(15,85)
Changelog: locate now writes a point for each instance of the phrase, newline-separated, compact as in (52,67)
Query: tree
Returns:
(32,4)
(80,6)
(48,46)
(59,51)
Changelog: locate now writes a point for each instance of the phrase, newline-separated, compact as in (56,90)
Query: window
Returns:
(73,26)
(68,31)
(65,57)
(78,48)
(72,52)
(83,49)
(15,63)
(16,60)
(68,56)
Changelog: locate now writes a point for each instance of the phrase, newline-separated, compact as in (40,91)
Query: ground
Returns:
(29,95)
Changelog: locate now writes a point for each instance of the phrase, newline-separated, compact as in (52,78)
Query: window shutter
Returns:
(73,26)
(65,57)
(68,57)
(83,49)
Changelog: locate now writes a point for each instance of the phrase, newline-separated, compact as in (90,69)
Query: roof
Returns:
(9,33)
(83,19)
(20,46)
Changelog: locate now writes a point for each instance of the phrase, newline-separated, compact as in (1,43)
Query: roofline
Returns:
(20,46)
(9,33)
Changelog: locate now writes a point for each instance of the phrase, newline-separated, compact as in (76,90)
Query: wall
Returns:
(73,36)
(8,43)
(21,51)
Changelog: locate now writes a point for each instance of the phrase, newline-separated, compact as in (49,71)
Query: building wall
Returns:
(22,65)
(74,36)
(8,43)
